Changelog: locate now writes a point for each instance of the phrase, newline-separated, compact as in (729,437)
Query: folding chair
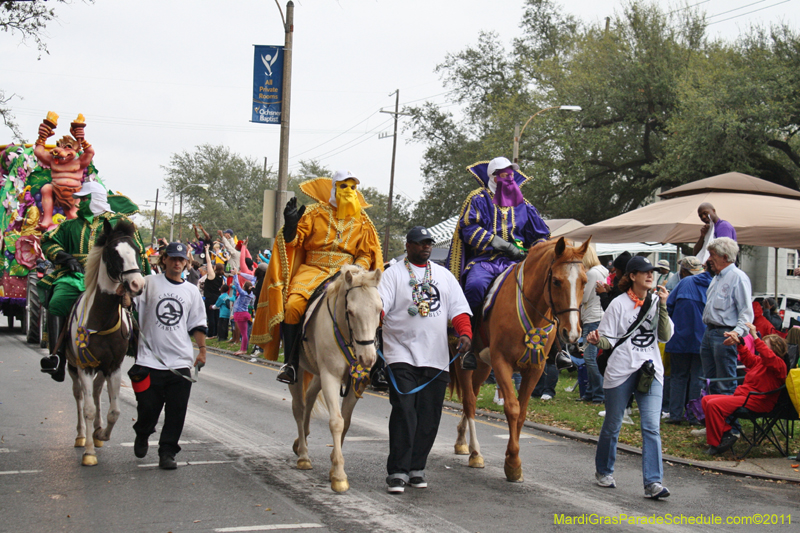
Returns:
(776,426)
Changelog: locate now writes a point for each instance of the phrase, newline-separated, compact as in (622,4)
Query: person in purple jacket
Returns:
(495,228)
(714,227)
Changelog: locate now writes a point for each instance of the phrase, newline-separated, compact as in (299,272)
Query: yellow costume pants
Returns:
(296,306)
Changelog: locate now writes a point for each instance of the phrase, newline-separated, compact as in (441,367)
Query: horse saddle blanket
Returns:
(491,295)
(315,300)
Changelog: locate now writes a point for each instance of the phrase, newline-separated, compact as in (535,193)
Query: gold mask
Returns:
(347,199)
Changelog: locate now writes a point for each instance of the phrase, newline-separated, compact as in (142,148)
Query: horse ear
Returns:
(561,245)
(376,276)
(582,250)
(348,276)
(106,226)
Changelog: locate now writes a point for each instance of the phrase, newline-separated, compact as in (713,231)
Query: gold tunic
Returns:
(322,246)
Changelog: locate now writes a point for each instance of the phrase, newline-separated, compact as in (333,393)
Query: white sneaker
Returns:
(601,413)
(571,387)
(699,432)
(497,399)
(626,418)
(546,397)
(605,481)
(664,414)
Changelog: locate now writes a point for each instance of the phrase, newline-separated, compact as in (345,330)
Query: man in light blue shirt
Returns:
(728,308)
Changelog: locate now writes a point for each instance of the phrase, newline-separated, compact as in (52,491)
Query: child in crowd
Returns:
(224,304)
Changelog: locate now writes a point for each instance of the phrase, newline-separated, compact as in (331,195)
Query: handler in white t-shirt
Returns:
(419,298)
(170,311)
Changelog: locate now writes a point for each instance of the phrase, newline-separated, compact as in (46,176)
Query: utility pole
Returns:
(283,158)
(396,114)
(155,219)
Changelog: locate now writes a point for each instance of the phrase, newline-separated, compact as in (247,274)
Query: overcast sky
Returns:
(157,77)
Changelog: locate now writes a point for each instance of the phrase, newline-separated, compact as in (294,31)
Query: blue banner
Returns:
(267,84)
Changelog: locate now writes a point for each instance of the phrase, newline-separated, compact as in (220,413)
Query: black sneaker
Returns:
(418,482)
(396,486)
(140,446)
(727,441)
(167,462)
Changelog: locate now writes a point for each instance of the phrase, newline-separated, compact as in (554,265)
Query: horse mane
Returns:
(337,284)
(547,247)
(123,229)
(93,268)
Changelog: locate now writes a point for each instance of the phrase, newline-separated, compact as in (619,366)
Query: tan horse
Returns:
(553,280)
(350,308)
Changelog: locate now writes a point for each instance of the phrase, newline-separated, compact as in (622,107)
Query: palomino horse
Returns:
(339,347)
(551,279)
(99,331)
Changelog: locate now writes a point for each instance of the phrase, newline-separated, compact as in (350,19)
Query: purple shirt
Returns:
(723,228)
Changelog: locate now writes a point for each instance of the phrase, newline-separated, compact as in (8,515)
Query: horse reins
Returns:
(347,319)
(549,283)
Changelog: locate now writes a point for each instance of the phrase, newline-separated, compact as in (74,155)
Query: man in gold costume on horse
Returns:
(313,245)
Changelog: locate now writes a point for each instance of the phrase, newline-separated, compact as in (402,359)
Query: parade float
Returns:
(36,186)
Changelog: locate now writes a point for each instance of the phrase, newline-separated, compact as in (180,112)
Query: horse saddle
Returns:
(315,299)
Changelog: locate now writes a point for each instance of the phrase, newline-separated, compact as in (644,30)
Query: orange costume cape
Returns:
(322,246)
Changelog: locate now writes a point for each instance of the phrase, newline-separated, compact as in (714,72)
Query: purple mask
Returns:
(507,193)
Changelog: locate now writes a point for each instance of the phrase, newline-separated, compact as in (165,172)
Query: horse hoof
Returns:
(513,474)
(476,461)
(462,449)
(89,460)
(303,464)
(340,486)
(98,443)
(80,442)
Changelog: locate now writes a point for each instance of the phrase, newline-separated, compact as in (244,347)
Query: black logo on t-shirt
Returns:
(431,296)
(643,338)
(169,312)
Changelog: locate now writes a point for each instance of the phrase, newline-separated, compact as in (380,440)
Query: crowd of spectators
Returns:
(228,276)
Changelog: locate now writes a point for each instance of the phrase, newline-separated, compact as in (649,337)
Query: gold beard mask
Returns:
(347,204)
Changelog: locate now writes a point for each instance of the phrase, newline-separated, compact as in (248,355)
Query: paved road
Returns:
(240,474)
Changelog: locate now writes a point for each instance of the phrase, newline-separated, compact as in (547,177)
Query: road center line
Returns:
(270,527)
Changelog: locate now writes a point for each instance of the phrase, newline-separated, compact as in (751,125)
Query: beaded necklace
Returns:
(419,306)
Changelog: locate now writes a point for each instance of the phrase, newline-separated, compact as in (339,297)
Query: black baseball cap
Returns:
(419,234)
(177,249)
(639,263)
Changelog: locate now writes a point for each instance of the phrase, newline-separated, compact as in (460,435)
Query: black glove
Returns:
(63,258)
(291,216)
(506,248)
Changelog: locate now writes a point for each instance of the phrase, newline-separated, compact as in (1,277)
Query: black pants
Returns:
(222,328)
(171,393)
(211,318)
(415,418)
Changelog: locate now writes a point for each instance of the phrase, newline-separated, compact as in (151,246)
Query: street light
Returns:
(172,222)
(518,135)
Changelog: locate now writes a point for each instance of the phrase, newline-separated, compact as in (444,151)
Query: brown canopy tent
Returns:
(763,214)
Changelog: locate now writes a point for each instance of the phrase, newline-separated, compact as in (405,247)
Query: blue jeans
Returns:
(547,382)
(685,376)
(650,411)
(719,361)
(595,389)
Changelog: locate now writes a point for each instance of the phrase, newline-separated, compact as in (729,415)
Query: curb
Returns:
(565,433)
(592,439)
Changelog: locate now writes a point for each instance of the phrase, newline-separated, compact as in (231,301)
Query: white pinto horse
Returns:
(99,330)
(349,311)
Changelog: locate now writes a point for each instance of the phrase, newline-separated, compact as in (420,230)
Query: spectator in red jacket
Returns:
(766,371)
(763,326)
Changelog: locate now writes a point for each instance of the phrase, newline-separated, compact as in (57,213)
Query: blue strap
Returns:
(420,387)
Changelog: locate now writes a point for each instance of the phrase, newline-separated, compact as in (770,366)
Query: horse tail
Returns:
(455,384)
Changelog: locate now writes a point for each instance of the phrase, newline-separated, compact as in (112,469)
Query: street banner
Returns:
(267,84)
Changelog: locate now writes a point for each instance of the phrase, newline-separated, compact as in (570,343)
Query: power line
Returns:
(736,9)
(295,156)
(749,12)
(688,7)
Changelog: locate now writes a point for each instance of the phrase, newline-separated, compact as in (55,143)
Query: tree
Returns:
(662,105)
(29,20)
(144,223)
(234,198)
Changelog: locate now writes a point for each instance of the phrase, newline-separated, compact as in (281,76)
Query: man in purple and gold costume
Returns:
(495,228)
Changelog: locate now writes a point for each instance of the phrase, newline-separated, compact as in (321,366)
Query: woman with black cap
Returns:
(630,327)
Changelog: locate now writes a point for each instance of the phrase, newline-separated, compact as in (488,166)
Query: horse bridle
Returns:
(352,340)
(118,279)
(549,283)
